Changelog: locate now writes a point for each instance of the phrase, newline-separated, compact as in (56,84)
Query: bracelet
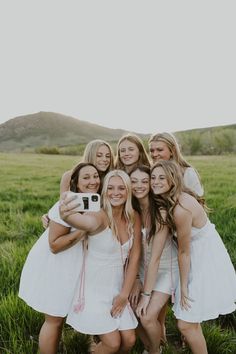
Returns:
(145,294)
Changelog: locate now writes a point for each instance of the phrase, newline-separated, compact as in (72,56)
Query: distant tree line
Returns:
(208,142)
(219,141)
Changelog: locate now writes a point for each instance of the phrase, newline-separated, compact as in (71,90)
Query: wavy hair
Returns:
(170,140)
(128,212)
(170,199)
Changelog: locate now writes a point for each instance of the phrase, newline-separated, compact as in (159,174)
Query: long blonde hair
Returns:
(90,152)
(143,155)
(128,212)
(170,140)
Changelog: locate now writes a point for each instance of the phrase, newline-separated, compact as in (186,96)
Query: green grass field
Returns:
(29,185)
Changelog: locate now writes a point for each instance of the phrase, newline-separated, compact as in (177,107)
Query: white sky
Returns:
(144,66)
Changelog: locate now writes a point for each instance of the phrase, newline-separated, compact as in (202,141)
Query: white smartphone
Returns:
(87,201)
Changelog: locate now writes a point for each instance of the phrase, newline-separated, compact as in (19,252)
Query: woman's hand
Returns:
(143,305)
(45,221)
(135,293)
(185,299)
(118,305)
(68,205)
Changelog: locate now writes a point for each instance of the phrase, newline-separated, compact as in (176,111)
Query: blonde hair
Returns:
(143,155)
(90,152)
(170,140)
(128,211)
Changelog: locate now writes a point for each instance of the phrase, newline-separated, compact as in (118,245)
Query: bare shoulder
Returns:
(184,208)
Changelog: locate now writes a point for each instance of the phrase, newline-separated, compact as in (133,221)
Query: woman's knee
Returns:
(54,321)
(111,342)
(186,327)
(128,341)
(148,320)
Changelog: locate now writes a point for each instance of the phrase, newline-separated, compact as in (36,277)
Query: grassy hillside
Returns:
(50,129)
(29,185)
(56,133)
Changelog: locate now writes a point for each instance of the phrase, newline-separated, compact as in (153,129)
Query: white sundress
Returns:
(48,280)
(103,280)
(168,270)
(212,278)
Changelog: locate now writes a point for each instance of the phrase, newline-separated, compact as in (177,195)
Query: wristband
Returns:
(145,294)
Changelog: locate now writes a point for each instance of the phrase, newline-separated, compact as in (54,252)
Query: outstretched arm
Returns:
(90,222)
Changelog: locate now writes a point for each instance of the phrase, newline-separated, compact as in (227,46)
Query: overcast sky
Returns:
(144,66)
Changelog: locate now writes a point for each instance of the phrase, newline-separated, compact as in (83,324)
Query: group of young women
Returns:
(111,273)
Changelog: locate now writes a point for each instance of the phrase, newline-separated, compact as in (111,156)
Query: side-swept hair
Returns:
(91,149)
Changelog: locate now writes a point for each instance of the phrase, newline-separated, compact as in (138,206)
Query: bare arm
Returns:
(65,182)
(60,238)
(183,222)
(90,222)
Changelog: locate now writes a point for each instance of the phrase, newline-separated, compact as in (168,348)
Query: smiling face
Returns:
(116,191)
(140,183)
(129,152)
(159,182)
(159,151)
(103,158)
(88,180)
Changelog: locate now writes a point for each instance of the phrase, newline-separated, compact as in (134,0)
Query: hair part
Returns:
(128,211)
(156,218)
(143,155)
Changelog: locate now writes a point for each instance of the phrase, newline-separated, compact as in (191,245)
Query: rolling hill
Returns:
(51,129)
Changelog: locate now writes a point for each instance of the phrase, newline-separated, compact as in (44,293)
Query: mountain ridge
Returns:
(28,132)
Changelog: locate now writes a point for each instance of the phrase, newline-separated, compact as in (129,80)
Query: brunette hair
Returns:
(170,199)
(75,176)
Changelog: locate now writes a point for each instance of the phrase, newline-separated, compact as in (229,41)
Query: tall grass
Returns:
(29,185)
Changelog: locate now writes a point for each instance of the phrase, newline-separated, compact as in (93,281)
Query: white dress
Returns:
(48,280)
(168,270)
(104,275)
(212,278)
(191,180)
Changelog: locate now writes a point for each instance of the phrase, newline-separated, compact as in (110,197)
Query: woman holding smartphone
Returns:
(52,268)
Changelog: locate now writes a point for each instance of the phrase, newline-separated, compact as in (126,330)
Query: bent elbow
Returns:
(53,248)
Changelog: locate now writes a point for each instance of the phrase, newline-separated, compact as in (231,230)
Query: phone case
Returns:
(88,201)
